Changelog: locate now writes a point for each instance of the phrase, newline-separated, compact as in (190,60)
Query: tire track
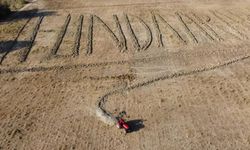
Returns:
(77,66)
(158,31)
(190,33)
(172,29)
(209,28)
(243,36)
(24,54)
(107,116)
(60,36)
(200,28)
(3,56)
(129,77)
(75,51)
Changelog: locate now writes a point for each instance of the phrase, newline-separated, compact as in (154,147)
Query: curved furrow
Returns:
(149,40)
(107,116)
(176,33)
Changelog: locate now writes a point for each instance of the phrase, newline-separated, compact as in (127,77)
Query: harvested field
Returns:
(180,69)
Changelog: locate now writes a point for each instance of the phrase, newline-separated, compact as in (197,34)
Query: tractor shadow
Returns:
(9,46)
(26,14)
(135,125)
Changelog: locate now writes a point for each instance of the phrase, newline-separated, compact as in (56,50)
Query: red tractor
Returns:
(121,123)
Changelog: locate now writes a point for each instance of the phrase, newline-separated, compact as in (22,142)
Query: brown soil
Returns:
(179,67)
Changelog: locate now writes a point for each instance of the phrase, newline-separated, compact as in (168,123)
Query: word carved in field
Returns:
(123,31)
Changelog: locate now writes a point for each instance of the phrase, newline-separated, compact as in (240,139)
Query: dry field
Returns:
(179,68)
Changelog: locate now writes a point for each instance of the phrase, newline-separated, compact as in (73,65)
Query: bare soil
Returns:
(180,69)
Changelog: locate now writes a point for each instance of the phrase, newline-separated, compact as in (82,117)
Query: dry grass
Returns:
(6,6)
(13,4)
(10,27)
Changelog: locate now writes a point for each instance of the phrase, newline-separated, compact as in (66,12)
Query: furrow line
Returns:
(3,56)
(207,26)
(24,54)
(176,33)
(123,41)
(158,31)
(75,51)
(200,28)
(89,48)
(149,40)
(112,34)
(190,33)
(77,66)
(60,36)
(135,41)
(243,36)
